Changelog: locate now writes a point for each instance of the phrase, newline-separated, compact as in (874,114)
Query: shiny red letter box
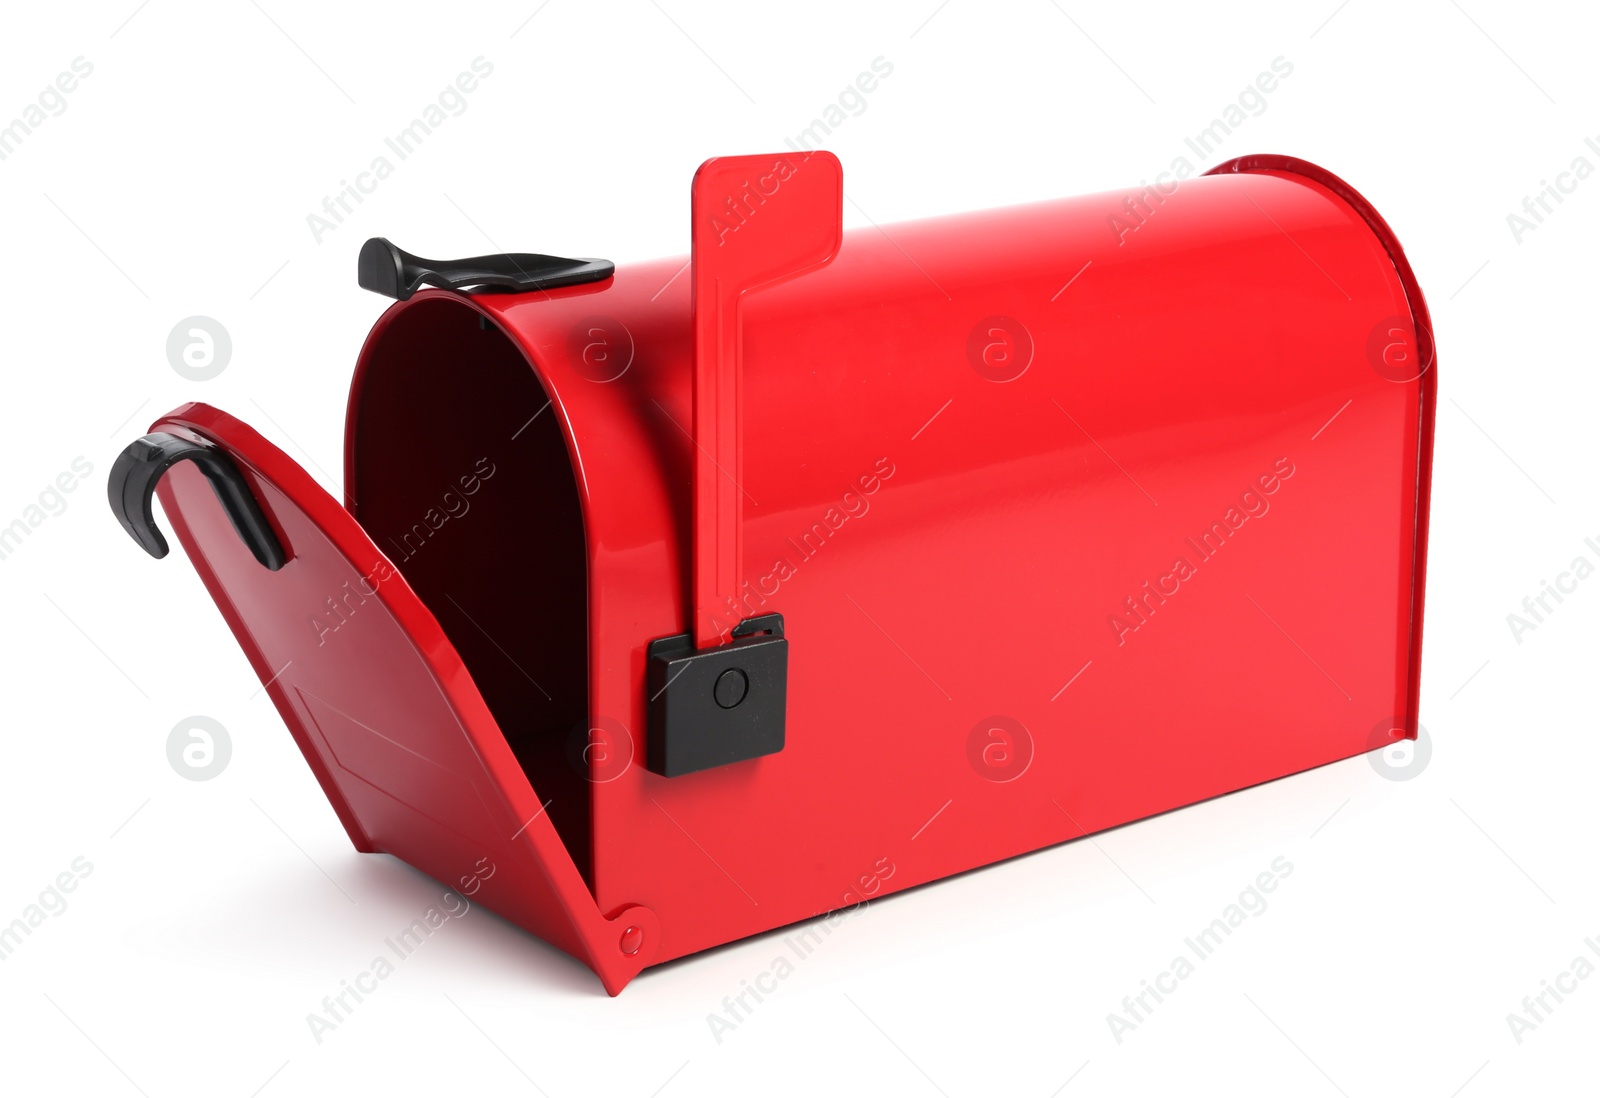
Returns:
(705,596)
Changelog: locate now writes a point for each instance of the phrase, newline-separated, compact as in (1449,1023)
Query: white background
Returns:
(218,914)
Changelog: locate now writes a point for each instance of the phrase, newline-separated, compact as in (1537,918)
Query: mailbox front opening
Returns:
(459,472)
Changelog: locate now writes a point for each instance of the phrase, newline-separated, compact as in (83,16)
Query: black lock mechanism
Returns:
(714,706)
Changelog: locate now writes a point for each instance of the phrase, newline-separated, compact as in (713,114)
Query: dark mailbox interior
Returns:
(462,477)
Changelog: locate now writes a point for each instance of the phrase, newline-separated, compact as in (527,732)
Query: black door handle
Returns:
(385,269)
(145,460)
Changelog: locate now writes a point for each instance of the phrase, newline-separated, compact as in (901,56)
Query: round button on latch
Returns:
(732,685)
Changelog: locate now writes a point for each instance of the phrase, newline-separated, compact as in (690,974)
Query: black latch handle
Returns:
(133,482)
(385,269)
(714,706)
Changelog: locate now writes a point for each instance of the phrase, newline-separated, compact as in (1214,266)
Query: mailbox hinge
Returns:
(713,706)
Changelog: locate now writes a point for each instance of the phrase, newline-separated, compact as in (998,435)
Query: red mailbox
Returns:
(702,597)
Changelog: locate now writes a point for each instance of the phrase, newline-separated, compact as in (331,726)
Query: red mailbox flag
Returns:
(756,221)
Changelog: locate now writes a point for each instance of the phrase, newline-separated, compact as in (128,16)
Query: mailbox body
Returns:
(1075,513)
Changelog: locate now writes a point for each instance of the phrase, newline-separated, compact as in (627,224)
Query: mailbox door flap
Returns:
(380,703)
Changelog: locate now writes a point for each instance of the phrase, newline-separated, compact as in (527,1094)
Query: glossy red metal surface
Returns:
(380,704)
(1076,512)
(756,221)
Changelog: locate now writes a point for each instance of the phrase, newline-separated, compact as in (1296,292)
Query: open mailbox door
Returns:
(382,706)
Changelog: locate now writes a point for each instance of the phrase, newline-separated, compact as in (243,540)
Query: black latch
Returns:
(145,460)
(385,269)
(714,706)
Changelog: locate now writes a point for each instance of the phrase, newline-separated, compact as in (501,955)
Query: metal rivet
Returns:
(632,940)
